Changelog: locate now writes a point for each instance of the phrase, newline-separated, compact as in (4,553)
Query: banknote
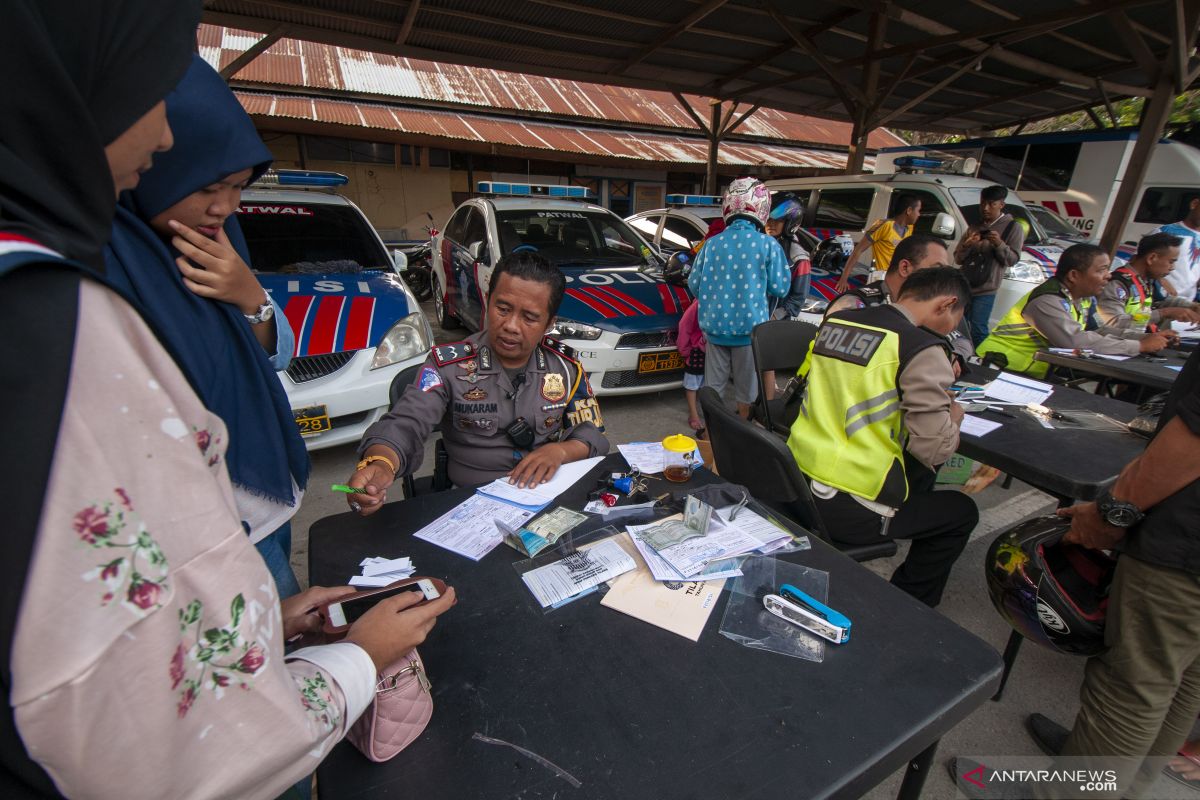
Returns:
(666,534)
(541,532)
(696,514)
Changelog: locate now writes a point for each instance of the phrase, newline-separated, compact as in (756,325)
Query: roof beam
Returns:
(1187,14)
(728,129)
(850,93)
(585,8)
(410,18)
(669,34)
(251,53)
(1108,106)
(992,101)
(888,116)
(691,112)
(1135,45)
(914,20)
(1094,117)
(1062,37)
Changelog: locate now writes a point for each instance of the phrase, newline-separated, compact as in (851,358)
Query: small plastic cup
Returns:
(678,457)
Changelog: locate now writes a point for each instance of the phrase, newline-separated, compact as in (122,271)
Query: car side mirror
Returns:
(399,260)
(476,250)
(943,226)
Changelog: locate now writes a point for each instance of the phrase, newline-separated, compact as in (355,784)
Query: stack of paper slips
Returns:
(378,572)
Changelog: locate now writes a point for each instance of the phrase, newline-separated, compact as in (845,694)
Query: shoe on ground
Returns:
(1048,734)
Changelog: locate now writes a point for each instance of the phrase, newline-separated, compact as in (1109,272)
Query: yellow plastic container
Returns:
(678,457)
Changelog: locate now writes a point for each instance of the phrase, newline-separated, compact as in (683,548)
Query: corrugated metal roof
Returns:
(531,135)
(291,62)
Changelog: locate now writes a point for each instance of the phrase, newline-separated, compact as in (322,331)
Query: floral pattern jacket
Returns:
(148,658)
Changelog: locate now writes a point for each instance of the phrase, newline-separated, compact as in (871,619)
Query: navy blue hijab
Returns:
(214,138)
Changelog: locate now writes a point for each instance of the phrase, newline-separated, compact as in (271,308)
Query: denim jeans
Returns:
(977,315)
(276,550)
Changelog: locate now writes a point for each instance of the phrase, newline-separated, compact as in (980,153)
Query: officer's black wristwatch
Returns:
(1118,513)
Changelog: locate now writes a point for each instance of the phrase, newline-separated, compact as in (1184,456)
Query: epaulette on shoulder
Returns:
(451,353)
(555,346)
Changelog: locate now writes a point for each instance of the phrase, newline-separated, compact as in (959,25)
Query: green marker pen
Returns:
(341,487)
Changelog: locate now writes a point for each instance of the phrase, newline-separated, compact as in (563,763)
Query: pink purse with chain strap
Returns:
(402,707)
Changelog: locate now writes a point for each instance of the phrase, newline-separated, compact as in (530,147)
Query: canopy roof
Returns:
(919,64)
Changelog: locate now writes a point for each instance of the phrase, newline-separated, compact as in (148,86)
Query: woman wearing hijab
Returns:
(142,639)
(172,251)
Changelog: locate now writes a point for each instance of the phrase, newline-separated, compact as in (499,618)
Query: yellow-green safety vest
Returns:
(849,433)
(1018,341)
(1140,302)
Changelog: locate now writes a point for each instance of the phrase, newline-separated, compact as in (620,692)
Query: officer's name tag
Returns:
(847,343)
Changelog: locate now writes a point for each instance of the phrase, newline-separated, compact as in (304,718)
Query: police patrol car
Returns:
(356,322)
(684,223)
(617,312)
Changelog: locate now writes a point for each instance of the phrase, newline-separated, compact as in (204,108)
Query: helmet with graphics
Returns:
(1051,592)
(747,198)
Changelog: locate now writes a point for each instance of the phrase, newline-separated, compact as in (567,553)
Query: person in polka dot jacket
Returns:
(731,279)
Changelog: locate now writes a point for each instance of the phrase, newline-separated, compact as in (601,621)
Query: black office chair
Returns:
(439,481)
(760,461)
(780,345)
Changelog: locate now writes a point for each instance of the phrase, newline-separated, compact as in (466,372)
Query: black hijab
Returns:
(73,77)
(76,75)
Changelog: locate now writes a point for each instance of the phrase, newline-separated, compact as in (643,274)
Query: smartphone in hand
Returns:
(341,614)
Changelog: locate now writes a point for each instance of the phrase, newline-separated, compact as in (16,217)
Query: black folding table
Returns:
(630,710)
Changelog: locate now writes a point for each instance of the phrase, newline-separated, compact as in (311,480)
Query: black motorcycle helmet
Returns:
(1053,593)
(678,267)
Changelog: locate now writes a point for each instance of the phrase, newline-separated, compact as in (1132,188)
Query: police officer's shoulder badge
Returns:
(452,353)
(554,345)
(553,387)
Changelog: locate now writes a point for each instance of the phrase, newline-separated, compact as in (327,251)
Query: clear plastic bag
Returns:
(748,623)
(566,546)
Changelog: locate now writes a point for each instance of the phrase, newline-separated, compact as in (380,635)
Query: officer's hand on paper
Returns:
(1088,529)
(375,478)
(539,466)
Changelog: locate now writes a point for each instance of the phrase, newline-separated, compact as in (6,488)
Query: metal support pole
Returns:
(1154,120)
(714,144)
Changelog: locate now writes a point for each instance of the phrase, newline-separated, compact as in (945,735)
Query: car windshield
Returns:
(313,238)
(967,199)
(1055,225)
(573,238)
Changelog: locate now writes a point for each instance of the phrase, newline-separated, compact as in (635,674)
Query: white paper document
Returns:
(690,557)
(539,497)
(1067,351)
(974,426)
(662,571)
(469,528)
(768,533)
(578,572)
(1018,389)
(644,456)
(378,572)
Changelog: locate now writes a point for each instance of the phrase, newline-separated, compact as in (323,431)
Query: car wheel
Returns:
(446,320)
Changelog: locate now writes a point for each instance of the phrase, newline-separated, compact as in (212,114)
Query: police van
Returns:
(1076,174)
(618,313)
(357,323)
(846,205)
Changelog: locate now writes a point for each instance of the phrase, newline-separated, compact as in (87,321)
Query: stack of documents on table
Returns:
(1187,331)
(976,426)
(1068,351)
(538,497)
(578,572)
(771,536)
(1017,390)
(469,528)
(377,572)
(691,543)
(681,607)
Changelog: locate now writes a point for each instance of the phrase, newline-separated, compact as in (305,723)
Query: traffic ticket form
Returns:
(469,528)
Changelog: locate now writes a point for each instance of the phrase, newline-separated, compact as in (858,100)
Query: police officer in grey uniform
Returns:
(511,400)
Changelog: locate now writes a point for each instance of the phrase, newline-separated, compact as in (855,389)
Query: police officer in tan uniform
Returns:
(512,401)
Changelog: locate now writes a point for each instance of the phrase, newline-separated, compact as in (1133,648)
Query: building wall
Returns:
(394,197)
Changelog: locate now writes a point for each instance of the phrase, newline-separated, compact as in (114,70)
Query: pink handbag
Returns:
(401,710)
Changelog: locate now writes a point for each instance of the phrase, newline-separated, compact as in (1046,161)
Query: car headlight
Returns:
(409,337)
(814,305)
(1025,272)
(570,329)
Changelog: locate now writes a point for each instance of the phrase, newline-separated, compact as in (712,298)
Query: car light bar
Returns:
(300,177)
(535,190)
(960,166)
(694,199)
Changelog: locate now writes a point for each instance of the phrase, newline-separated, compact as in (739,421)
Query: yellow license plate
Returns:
(662,361)
(311,420)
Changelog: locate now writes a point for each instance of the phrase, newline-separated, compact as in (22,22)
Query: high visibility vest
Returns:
(850,432)
(1139,302)
(1018,340)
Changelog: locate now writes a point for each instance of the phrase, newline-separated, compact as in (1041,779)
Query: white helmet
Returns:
(749,198)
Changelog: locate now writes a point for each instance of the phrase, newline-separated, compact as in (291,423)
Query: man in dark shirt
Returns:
(1141,696)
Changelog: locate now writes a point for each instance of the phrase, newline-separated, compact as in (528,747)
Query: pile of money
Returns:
(696,517)
(542,532)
